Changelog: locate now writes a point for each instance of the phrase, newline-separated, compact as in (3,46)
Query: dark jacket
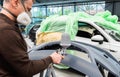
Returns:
(14,60)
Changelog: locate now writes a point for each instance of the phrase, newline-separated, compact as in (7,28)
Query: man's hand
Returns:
(56,57)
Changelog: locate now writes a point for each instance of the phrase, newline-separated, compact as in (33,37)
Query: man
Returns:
(14,61)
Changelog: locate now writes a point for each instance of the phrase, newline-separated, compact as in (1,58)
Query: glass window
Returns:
(82,7)
(38,12)
(85,30)
(56,9)
(100,7)
(42,9)
(113,33)
(91,7)
(68,9)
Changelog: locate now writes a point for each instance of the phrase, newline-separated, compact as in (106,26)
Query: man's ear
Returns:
(14,3)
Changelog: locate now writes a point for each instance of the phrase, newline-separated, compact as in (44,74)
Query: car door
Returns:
(86,31)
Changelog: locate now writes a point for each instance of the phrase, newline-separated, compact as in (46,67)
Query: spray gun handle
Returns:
(58,51)
(61,51)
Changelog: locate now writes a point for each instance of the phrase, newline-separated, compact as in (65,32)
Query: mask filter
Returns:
(24,18)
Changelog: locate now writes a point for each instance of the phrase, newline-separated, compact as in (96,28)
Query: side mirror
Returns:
(97,38)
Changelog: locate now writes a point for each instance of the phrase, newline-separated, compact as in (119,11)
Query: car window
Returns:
(87,31)
(114,34)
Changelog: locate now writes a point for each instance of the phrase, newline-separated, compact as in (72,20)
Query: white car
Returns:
(92,33)
(95,34)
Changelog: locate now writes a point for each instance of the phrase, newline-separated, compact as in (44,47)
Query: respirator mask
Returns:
(24,18)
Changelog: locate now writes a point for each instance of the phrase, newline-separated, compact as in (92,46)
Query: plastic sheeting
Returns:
(61,24)
(69,24)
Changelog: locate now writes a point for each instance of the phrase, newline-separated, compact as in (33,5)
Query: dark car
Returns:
(31,29)
(32,32)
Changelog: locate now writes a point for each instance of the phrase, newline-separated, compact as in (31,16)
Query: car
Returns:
(31,29)
(95,34)
(90,61)
(32,32)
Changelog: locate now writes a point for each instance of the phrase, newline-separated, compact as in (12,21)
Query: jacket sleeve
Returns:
(12,50)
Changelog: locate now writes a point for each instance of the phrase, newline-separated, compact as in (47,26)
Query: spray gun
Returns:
(65,43)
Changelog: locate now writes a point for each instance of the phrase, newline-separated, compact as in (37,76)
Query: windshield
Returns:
(114,34)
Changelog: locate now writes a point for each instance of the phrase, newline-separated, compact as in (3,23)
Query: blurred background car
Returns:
(31,29)
(32,33)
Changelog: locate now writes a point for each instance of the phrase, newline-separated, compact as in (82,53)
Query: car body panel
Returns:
(109,43)
(96,55)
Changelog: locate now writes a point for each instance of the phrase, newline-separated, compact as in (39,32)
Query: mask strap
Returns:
(25,9)
(23,5)
(9,12)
